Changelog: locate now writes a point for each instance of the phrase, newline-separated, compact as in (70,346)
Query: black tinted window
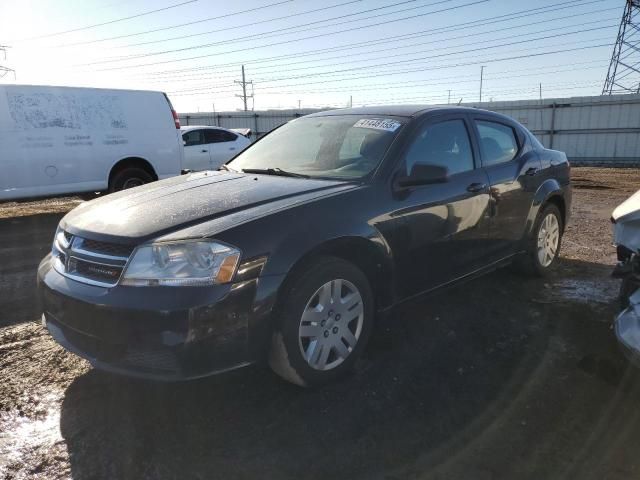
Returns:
(445,144)
(217,136)
(497,141)
(194,137)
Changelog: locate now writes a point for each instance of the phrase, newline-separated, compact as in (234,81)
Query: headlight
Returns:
(182,264)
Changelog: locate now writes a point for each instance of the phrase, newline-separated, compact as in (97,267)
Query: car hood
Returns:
(169,205)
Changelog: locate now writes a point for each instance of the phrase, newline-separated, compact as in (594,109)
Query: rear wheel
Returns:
(129,177)
(544,243)
(325,321)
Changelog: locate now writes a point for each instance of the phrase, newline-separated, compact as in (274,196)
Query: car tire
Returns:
(128,178)
(543,245)
(317,337)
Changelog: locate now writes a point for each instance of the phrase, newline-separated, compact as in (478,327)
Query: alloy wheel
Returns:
(548,239)
(331,324)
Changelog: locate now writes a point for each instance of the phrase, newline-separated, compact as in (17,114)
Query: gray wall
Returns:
(603,130)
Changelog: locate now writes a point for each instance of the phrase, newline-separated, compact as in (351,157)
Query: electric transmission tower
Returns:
(624,70)
(5,70)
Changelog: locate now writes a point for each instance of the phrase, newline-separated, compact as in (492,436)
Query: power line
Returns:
(182,37)
(423,83)
(470,24)
(396,53)
(394,48)
(253,36)
(439,67)
(484,47)
(517,90)
(430,57)
(480,22)
(161,29)
(278,32)
(149,12)
(441,80)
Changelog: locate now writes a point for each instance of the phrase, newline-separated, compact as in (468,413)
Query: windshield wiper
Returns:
(274,171)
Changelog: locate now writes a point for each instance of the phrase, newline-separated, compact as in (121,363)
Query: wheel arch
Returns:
(369,255)
(549,192)
(133,161)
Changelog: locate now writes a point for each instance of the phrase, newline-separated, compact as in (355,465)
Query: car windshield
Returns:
(341,146)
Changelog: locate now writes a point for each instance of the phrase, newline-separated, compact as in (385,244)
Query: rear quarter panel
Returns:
(555,180)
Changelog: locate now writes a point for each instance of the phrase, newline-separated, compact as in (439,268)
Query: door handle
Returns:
(205,151)
(531,171)
(232,148)
(476,187)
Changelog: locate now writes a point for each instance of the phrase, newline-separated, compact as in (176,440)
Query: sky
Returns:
(306,53)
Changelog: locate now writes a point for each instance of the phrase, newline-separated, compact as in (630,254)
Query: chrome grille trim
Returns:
(82,251)
(76,252)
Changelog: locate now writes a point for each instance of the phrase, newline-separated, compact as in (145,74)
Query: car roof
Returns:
(409,111)
(187,128)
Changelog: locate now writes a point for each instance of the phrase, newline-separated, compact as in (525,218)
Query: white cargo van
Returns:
(57,140)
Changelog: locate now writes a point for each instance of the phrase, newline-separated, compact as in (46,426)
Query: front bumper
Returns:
(163,333)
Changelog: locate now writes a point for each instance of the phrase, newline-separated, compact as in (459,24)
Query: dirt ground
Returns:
(502,377)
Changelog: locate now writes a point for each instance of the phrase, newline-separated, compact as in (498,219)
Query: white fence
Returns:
(603,130)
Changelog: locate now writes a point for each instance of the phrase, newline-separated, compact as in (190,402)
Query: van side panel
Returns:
(56,140)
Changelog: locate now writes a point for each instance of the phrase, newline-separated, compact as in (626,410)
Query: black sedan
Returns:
(289,252)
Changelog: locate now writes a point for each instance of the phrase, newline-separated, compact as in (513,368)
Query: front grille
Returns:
(113,249)
(91,261)
(94,271)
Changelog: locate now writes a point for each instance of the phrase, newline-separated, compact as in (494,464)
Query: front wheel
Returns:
(325,320)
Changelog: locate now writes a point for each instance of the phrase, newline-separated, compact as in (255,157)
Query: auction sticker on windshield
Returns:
(378,124)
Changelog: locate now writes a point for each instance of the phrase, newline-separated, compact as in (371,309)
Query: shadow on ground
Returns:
(24,241)
(501,377)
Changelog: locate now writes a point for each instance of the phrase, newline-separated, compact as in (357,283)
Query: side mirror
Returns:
(423,174)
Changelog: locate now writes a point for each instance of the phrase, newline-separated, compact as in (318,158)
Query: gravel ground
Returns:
(502,377)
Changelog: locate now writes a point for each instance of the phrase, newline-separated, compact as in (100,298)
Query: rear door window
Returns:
(497,142)
(219,136)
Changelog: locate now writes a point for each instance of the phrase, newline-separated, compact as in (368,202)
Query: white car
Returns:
(58,140)
(208,148)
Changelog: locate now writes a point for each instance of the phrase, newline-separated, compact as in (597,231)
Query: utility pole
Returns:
(244,84)
(623,75)
(481,75)
(540,90)
(298,104)
(253,98)
(449,98)
(350,101)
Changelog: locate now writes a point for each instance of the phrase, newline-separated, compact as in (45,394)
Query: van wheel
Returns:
(543,246)
(128,178)
(324,323)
